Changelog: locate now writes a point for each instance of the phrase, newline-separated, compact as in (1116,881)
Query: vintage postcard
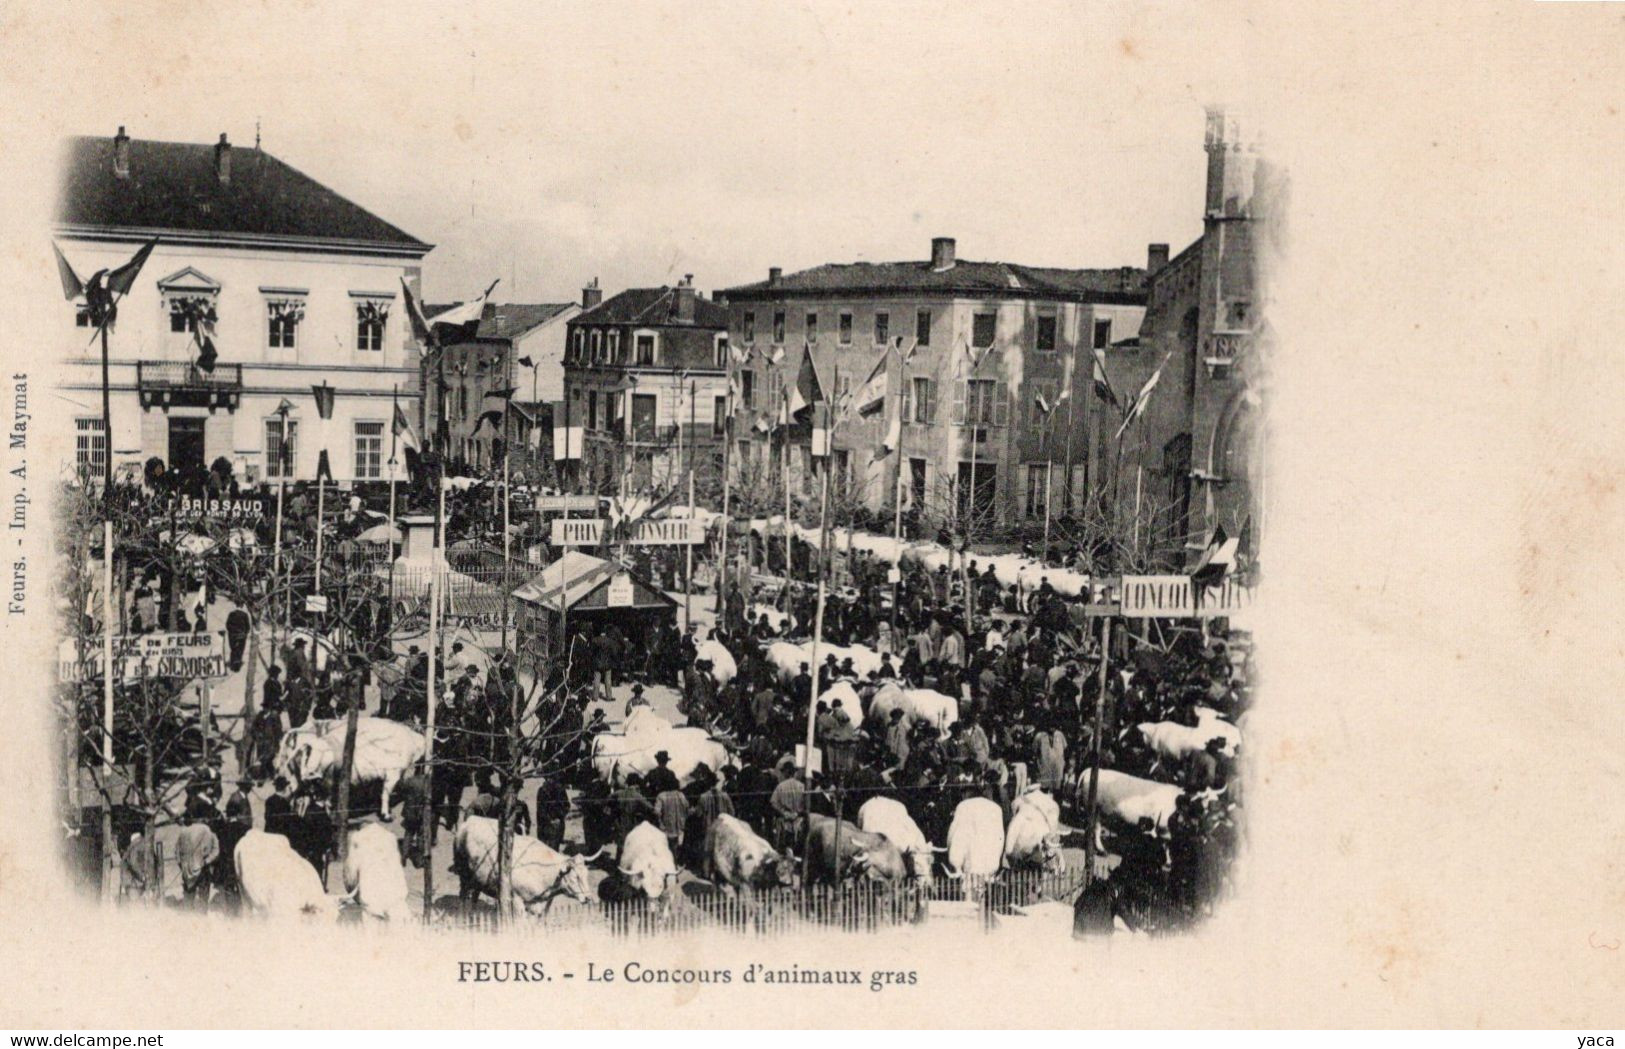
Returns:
(725,515)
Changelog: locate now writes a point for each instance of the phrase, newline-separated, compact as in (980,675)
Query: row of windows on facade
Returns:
(605,346)
(607,413)
(282,320)
(1041,479)
(984,329)
(90,447)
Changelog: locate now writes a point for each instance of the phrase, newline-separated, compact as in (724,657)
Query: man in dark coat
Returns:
(237,625)
(552,809)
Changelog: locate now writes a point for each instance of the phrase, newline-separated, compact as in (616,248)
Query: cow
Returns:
(863,854)
(917,704)
(1033,838)
(647,865)
(373,875)
(615,755)
(277,882)
(976,839)
(788,657)
(1178,742)
(643,721)
(723,667)
(1129,799)
(890,817)
(385,751)
(539,873)
(743,861)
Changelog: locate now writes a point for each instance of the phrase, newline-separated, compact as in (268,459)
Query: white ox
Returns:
(646,862)
(723,667)
(1130,798)
(890,817)
(787,657)
(615,755)
(917,704)
(276,881)
(1033,838)
(385,751)
(643,721)
(976,838)
(539,873)
(373,875)
(1178,742)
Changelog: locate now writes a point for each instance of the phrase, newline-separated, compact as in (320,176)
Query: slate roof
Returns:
(172,186)
(654,307)
(1125,283)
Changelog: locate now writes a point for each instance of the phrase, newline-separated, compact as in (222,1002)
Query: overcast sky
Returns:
(549,145)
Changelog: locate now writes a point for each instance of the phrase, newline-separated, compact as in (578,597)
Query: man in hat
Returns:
(661,778)
(637,699)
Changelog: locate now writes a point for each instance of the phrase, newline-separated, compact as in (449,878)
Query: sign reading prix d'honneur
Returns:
(147,655)
(1176,597)
(676,531)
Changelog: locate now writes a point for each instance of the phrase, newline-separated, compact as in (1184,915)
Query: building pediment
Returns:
(189,280)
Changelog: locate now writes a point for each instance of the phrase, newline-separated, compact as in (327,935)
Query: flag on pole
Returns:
(905,355)
(494,417)
(526,362)
(72,286)
(503,394)
(121,280)
(283,453)
(461,322)
(976,359)
(807,390)
(1216,562)
(414,313)
(1103,386)
(403,429)
(1136,407)
(775,355)
(324,470)
(893,438)
(871,396)
(324,400)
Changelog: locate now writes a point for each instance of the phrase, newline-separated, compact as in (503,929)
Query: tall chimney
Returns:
(774,275)
(683,301)
(1156,257)
(222,160)
(942,253)
(591,295)
(121,154)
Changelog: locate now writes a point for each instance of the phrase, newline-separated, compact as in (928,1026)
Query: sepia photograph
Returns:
(782,495)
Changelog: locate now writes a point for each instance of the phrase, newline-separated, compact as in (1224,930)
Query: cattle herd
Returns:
(945,761)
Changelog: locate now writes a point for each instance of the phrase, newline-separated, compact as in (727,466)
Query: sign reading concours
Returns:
(148,655)
(563,504)
(1176,597)
(678,531)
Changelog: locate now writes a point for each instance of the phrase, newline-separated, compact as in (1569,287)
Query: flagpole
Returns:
(818,614)
(789,556)
(108,864)
(688,548)
(970,513)
(727,480)
(394,440)
(1090,807)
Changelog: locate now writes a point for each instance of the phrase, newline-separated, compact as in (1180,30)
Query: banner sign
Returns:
(147,655)
(1176,597)
(677,531)
(223,511)
(563,504)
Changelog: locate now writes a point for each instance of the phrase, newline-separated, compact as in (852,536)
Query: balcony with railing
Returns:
(172,384)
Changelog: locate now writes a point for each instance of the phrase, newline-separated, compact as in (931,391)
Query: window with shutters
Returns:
(882,328)
(749,327)
(845,332)
(578,346)
(646,349)
(984,327)
(922,327)
(89,446)
(283,317)
(1103,333)
(597,346)
(275,457)
(1044,337)
(614,412)
(778,326)
(719,417)
(616,353)
(747,388)
(1037,489)
(592,409)
(643,416)
(980,402)
(812,327)
(920,401)
(916,482)
(369,450)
